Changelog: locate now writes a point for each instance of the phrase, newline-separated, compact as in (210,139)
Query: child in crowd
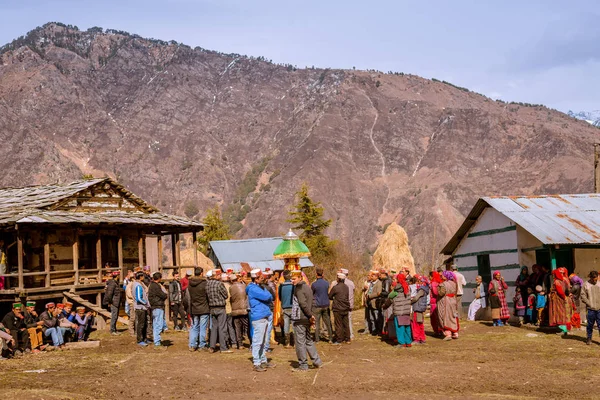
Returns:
(540,303)
(495,306)
(413,287)
(529,319)
(519,305)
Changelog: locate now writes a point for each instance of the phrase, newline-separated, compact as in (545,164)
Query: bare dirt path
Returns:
(485,362)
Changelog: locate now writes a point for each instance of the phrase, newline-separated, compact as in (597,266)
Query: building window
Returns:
(483,268)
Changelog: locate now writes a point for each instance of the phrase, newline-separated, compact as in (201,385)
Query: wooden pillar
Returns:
(47,258)
(174,249)
(120,255)
(195,247)
(20,258)
(141,249)
(76,256)
(160,253)
(99,256)
(178,249)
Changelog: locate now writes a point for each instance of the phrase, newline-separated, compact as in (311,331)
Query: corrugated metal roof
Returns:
(258,253)
(553,219)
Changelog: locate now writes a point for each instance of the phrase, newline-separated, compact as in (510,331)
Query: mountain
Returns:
(591,117)
(190,128)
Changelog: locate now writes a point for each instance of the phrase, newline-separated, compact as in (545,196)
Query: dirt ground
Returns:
(486,362)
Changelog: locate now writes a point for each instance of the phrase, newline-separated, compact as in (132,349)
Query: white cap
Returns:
(225,277)
(341,275)
(344,271)
(209,273)
(255,272)
(233,277)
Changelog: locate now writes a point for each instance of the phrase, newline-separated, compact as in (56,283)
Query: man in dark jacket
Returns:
(112,299)
(320,291)
(157,295)
(34,327)
(15,323)
(239,307)
(217,297)
(340,294)
(51,326)
(302,319)
(285,293)
(176,301)
(198,309)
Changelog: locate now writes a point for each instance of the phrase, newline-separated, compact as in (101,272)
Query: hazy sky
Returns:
(536,51)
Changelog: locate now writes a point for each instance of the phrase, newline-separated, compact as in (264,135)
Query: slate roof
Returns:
(552,219)
(34,205)
(258,253)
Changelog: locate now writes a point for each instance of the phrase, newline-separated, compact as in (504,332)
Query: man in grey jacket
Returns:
(302,319)
(176,302)
(590,296)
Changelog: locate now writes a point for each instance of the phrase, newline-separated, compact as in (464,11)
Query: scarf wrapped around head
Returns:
(496,273)
(402,282)
(435,277)
(449,275)
(576,280)
(557,273)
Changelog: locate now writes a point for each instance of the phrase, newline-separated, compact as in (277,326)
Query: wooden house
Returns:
(505,233)
(67,237)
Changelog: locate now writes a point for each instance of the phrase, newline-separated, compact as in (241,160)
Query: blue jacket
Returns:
(320,289)
(258,299)
(286,291)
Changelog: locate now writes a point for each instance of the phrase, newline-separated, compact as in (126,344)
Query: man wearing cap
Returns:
(340,294)
(14,322)
(66,319)
(126,282)
(460,282)
(176,302)
(217,299)
(34,327)
(112,298)
(302,319)
(130,300)
(51,326)
(84,323)
(239,307)
(157,295)
(351,288)
(259,299)
(374,304)
(269,284)
(141,305)
(199,310)
(229,329)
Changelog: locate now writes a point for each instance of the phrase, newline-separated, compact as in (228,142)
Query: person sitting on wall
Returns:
(84,324)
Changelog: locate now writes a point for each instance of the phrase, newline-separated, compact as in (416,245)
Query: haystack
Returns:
(393,251)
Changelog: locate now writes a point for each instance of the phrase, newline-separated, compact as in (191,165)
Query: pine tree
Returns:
(215,228)
(307,216)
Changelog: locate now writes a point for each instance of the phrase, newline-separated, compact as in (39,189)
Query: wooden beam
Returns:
(141,250)
(120,255)
(95,307)
(173,250)
(178,248)
(20,259)
(99,255)
(76,256)
(160,253)
(195,247)
(46,258)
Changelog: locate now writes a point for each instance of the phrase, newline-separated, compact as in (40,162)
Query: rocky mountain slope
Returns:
(189,128)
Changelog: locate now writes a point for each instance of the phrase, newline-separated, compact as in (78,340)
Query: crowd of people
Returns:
(23,331)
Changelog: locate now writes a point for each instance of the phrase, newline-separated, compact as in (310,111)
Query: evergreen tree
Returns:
(307,216)
(215,228)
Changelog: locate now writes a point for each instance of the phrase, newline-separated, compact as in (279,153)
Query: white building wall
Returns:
(492,234)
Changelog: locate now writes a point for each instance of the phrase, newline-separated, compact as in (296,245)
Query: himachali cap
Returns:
(217,271)
(80,308)
(146,268)
(188,272)
(255,272)
(229,271)
(341,275)
(30,304)
(297,273)
(68,304)
(17,305)
(373,271)
(344,271)
(116,273)
(224,277)
(51,304)
(60,305)
(209,273)
(233,277)
(137,269)
(268,272)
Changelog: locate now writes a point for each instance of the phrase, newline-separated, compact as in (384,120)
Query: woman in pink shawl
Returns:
(446,306)
(436,281)
(500,287)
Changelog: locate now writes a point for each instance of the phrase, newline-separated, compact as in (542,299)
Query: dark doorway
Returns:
(483,267)
(564,258)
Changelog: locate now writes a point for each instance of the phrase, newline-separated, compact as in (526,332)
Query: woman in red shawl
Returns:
(436,281)
(557,300)
(500,287)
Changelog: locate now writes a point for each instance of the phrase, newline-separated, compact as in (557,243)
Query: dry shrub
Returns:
(393,251)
